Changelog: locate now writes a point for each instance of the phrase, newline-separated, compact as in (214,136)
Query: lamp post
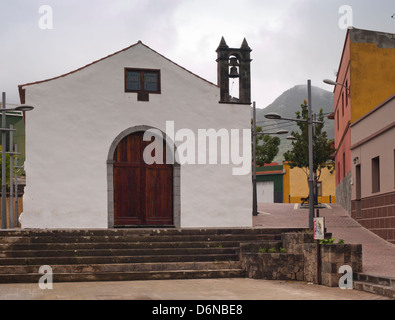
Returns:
(16,193)
(254,135)
(4,131)
(310,121)
(334,83)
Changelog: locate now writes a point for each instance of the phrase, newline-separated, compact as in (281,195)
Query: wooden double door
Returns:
(143,193)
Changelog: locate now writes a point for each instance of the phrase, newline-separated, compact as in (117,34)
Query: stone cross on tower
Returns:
(234,63)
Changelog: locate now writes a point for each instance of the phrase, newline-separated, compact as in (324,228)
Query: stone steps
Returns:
(125,254)
(376,285)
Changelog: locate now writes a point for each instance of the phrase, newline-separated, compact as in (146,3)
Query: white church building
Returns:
(135,140)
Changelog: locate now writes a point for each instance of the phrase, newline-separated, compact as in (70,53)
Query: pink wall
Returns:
(342,98)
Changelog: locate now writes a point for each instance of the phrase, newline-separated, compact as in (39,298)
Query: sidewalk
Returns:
(378,255)
(210,290)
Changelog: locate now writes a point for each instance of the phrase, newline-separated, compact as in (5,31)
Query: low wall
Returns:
(298,257)
(377,213)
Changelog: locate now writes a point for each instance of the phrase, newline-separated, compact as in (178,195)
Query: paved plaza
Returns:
(208,289)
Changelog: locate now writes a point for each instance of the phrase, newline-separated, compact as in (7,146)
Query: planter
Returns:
(300,260)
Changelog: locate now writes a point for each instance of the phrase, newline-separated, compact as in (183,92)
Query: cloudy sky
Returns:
(292,40)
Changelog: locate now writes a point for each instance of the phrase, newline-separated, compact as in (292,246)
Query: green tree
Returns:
(323,147)
(267,147)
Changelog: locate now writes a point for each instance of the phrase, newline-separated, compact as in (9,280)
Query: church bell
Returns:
(234,73)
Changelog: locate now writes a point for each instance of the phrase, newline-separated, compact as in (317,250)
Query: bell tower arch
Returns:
(234,64)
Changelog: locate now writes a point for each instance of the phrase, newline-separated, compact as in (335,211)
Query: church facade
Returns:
(135,140)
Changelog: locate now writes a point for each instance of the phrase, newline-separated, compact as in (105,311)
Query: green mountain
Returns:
(287,104)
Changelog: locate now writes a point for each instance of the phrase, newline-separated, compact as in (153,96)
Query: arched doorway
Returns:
(141,194)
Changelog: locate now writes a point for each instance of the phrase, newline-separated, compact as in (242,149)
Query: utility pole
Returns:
(254,194)
(3,159)
(311,159)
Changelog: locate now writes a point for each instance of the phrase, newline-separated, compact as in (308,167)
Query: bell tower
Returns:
(234,64)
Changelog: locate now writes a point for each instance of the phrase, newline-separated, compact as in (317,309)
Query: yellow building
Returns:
(372,65)
(296,185)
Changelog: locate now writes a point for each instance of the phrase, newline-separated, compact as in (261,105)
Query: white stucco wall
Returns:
(78,116)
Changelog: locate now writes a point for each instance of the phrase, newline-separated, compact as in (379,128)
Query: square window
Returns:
(143,82)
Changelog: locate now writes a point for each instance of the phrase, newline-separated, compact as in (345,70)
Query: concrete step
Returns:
(125,276)
(152,232)
(117,245)
(126,267)
(136,238)
(116,252)
(117,259)
(374,284)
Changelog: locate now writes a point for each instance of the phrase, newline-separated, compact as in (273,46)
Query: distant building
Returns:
(366,77)
(16,119)
(281,184)
(296,185)
(373,170)
(270,183)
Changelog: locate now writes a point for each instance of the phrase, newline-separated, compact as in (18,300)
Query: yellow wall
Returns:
(20,209)
(372,71)
(296,185)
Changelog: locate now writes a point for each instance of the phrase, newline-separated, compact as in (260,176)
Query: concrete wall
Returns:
(78,116)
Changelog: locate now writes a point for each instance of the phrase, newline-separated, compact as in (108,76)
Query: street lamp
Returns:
(254,135)
(310,121)
(4,131)
(276,116)
(334,83)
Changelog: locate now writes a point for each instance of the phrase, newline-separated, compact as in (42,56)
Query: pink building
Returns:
(373,170)
(366,78)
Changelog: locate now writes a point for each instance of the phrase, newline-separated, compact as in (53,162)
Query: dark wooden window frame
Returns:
(142,95)
(319,188)
(376,175)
